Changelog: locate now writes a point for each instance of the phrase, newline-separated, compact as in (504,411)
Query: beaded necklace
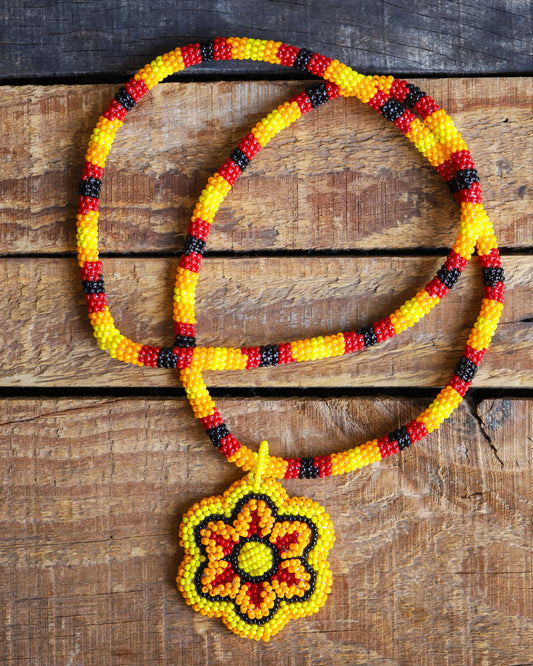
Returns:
(254,556)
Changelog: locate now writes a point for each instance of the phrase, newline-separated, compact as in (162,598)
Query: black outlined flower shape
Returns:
(256,558)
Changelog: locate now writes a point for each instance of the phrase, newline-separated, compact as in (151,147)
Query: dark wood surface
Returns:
(98,461)
(326,165)
(432,563)
(71,39)
(256,302)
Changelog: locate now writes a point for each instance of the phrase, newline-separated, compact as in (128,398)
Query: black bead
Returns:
(369,336)
(392,109)
(166,358)
(269,355)
(302,59)
(93,286)
(401,436)
(307,469)
(448,276)
(193,244)
(90,187)
(463,180)
(465,369)
(318,94)
(125,99)
(413,97)
(491,276)
(217,434)
(240,159)
(185,341)
(207,51)
(453,185)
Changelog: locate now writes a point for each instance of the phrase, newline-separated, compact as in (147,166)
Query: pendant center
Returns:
(255,558)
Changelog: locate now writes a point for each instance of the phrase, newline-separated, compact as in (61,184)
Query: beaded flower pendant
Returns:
(256,557)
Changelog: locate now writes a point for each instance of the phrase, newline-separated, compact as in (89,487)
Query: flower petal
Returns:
(291,580)
(219,579)
(218,539)
(291,537)
(255,517)
(256,600)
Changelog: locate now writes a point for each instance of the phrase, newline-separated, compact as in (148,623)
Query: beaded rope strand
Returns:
(433,134)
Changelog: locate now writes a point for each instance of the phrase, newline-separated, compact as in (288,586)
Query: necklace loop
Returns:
(432,133)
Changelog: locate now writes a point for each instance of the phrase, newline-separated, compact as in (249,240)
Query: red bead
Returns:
(332,90)
(426,106)
(283,544)
(303,102)
(403,123)
(115,110)
(384,329)
(199,229)
(383,443)
(184,355)
(474,355)
(254,356)
(136,89)
(187,330)
(462,159)
(472,195)
(91,171)
(86,204)
(491,260)
(230,171)
(250,146)
(436,289)
(191,55)
(91,271)
(287,54)
(459,384)
(324,465)
(416,431)
(221,49)
(229,445)
(353,342)
(446,170)
(496,293)
(293,468)
(191,261)
(387,448)
(96,302)
(378,100)
(148,355)
(399,90)
(211,421)
(285,353)
(455,260)
(318,64)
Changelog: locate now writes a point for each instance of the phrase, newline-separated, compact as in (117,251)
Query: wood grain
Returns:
(341,178)
(71,39)
(432,563)
(49,342)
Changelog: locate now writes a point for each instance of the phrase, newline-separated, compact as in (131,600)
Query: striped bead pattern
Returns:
(431,131)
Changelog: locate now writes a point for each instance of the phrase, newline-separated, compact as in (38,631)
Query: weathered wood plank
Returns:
(340,178)
(47,339)
(432,562)
(70,39)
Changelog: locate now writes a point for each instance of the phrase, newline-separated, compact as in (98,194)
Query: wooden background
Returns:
(334,225)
